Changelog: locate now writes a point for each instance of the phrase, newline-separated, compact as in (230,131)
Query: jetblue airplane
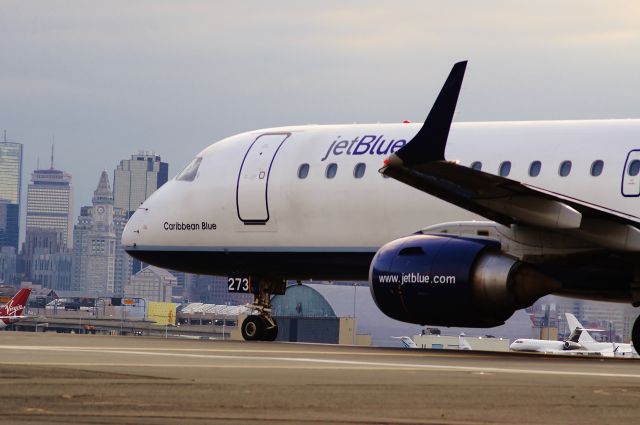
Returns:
(406,206)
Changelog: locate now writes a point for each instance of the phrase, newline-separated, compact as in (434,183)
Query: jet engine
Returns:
(570,345)
(452,281)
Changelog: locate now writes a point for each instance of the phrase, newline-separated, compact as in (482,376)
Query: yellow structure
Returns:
(162,313)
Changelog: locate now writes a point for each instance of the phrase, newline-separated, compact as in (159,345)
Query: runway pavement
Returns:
(56,378)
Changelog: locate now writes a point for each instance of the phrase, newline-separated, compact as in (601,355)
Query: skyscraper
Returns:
(135,179)
(10,186)
(50,203)
(94,246)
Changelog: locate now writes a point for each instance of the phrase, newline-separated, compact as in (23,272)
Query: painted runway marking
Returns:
(353,364)
(400,353)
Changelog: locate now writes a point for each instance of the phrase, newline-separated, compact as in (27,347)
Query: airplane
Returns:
(405,206)
(12,311)
(580,342)
(407,342)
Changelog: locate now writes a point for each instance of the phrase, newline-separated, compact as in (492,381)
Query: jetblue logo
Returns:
(369,144)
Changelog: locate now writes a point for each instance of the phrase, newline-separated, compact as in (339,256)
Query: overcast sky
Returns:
(111,78)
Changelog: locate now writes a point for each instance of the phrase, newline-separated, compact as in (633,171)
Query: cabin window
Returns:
(303,171)
(358,171)
(505,168)
(331,171)
(597,167)
(534,168)
(476,165)
(634,168)
(565,168)
(190,172)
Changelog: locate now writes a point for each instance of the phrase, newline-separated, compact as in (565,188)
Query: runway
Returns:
(61,378)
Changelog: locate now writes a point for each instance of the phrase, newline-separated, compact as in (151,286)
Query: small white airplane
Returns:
(12,311)
(398,204)
(580,342)
(407,342)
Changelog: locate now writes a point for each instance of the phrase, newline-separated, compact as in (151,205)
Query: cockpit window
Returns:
(191,171)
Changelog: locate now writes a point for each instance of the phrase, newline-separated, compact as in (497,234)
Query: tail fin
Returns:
(574,324)
(17,304)
(463,344)
(406,341)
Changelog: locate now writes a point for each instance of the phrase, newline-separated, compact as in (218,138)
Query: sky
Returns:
(109,79)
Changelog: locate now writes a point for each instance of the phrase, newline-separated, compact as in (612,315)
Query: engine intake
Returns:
(452,281)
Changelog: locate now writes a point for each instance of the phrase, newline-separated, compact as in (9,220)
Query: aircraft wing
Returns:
(422,165)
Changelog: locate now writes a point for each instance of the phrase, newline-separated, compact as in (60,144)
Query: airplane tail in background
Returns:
(406,341)
(574,324)
(15,306)
(463,344)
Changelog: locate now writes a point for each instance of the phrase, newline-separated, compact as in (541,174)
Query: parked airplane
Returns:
(580,342)
(307,203)
(407,342)
(12,311)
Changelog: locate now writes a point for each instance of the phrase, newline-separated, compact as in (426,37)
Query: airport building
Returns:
(437,341)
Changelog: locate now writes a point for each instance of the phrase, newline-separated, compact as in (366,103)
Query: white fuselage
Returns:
(247,195)
(557,347)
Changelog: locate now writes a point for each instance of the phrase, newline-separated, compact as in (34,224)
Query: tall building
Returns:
(50,203)
(9,224)
(123,261)
(94,243)
(10,186)
(135,179)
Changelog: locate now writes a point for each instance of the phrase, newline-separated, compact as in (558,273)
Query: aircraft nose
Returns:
(134,230)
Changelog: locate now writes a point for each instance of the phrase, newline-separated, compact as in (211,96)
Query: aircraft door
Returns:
(631,174)
(252,198)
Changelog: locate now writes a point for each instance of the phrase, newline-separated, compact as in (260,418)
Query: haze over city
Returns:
(110,79)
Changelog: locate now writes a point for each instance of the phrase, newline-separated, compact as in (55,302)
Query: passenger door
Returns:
(252,194)
(631,174)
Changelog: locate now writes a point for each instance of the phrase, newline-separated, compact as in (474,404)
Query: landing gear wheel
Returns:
(271,333)
(635,335)
(253,328)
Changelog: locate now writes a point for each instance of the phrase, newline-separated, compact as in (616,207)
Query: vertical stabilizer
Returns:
(574,324)
(16,305)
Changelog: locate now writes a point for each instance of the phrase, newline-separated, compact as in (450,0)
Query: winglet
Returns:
(431,140)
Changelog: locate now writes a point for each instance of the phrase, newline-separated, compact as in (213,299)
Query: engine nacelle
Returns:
(452,281)
(570,345)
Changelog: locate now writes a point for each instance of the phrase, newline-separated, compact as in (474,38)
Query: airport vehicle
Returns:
(12,311)
(580,342)
(351,202)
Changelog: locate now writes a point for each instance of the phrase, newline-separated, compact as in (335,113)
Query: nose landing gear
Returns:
(262,326)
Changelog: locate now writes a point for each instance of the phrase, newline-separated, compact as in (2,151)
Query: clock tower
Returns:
(95,236)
